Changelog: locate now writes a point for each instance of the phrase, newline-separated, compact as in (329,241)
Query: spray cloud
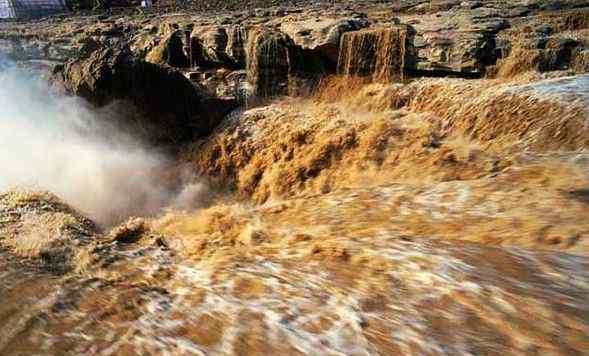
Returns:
(57,143)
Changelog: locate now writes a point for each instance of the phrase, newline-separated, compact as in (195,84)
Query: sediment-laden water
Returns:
(404,223)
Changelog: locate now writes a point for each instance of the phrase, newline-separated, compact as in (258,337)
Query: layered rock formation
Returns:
(170,108)
(464,39)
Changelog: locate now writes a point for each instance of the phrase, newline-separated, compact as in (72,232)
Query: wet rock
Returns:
(130,232)
(88,46)
(144,41)
(169,107)
(170,50)
(218,46)
(376,53)
(236,41)
(270,59)
(208,45)
(558,53)
(322,37)
(232,85)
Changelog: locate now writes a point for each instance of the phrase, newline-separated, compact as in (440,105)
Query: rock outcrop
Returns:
(464,42)
(170,107)
(460,38)
(321,37)
(221,46)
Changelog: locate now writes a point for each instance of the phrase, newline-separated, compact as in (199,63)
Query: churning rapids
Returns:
(440,246)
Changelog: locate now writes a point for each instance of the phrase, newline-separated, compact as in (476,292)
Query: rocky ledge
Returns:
(234,54)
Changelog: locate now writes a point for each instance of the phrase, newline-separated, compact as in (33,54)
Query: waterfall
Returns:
(268,62)
(376,53)
(236,39)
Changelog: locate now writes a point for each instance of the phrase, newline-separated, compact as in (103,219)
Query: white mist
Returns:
(57,143)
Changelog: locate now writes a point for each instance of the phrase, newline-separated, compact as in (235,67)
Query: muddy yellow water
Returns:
(274,280)
(444,217)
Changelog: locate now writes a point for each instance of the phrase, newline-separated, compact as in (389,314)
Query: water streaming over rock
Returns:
(270,55)
(375,53)
(364,269)
(236,41)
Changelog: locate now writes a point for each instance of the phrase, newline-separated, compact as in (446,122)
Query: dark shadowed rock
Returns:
(208,45)
(171,108)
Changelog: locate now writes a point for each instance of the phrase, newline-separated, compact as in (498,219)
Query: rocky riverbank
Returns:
(226,51)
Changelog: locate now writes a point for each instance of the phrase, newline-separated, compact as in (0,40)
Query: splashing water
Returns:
(60,144)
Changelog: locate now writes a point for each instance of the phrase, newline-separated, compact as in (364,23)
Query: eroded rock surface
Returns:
(169,107)
(467,39)
(321,36)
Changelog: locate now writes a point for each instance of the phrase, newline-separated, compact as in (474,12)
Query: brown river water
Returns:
(394,296)
(489,258)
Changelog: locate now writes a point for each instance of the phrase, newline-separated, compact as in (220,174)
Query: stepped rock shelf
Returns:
(232,54)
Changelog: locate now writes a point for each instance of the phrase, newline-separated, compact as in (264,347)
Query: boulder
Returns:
(170,108)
